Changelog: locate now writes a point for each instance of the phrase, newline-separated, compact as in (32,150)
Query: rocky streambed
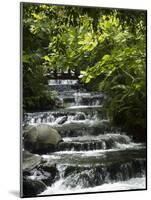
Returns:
(76,149)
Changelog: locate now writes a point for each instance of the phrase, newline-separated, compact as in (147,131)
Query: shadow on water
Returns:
(15,193)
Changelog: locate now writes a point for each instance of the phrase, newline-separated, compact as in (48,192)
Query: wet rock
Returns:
(70,169)
(49,167)
(80,116)
(30,161)
(59,102)
(32,187)
(50,173)
(62,120)
(41,139)
(84,181)
(38,169)
(88,176)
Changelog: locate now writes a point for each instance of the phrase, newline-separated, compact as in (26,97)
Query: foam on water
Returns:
(97,138)
(131,184)
(62,82)
(84,106)
(130,145)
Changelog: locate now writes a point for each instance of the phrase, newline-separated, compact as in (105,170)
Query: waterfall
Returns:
(94,155)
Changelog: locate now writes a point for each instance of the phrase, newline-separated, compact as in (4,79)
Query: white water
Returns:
(131,184)
(93,153)
(88,118)
(83,107)
(62,82)
(97,138)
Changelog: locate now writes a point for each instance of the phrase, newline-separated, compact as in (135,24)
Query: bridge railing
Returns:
(70,74)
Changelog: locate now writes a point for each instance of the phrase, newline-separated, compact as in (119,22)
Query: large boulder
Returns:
(41,139)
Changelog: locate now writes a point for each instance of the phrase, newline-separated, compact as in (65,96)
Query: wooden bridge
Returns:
(63,75)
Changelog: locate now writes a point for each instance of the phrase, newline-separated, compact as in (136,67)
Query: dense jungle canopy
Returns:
(107,46)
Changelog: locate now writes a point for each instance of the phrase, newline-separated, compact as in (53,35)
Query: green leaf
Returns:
(46,58)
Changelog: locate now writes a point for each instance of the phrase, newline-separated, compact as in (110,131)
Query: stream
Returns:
(94,156)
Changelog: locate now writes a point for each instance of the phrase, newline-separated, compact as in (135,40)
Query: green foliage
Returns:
(106,45)
(122,74)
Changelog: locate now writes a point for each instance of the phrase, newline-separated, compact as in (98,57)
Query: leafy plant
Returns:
(108,46)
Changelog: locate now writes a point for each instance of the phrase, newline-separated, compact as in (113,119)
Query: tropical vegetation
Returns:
(107,46)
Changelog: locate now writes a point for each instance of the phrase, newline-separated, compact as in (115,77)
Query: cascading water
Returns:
(93,156)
